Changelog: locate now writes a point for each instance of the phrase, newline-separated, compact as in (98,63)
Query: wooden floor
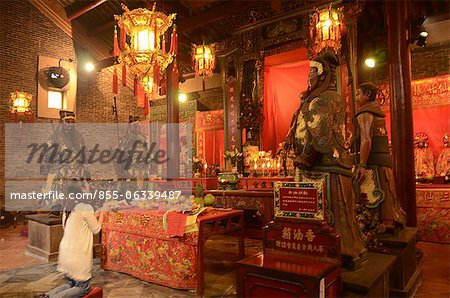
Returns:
(436,270)
(25,276)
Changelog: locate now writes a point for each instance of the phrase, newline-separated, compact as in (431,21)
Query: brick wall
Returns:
(431,60)
(427,62)
(210,99)
(95,98)
(24,35)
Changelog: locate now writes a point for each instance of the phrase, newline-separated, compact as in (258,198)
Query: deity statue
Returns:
(374,170)
(443,161)
(423,158)
(65,137)
(132,175)
(318,141)
(281,158)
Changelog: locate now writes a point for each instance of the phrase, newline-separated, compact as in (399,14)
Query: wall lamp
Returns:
(422,39)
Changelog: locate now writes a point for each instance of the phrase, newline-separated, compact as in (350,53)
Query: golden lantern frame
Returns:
(204,59)
(20,102)
(146,60)
(325,30)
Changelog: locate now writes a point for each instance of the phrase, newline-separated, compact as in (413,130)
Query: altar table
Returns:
(433,212)
(135,242)
(257,206)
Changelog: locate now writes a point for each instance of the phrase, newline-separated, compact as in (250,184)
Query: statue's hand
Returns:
(298,162)
(360,174)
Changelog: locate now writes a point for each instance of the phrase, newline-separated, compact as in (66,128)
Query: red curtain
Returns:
(214,143)
(434,121)
(285,77)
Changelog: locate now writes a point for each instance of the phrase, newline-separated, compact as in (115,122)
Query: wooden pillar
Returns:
(399,60)
(173,143)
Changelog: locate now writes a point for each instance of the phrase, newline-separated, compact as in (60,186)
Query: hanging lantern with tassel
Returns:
(325,30)
(143,53)
(204,60)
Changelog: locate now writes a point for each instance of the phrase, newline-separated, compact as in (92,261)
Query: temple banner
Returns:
(425,92)
(232,115)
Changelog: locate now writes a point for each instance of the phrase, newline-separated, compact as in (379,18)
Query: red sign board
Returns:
(298,200)
(302,238)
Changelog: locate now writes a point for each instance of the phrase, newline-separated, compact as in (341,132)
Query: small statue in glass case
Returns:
(443,161)
(423,158)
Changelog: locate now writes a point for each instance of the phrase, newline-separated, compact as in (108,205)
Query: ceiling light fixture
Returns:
(370,62)
(89,66)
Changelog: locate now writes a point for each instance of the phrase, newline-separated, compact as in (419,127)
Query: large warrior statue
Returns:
(65,137)
(374,169)
(317,139)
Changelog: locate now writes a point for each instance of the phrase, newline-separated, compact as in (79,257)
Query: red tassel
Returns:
(175,74)
(174,41)
(140,98)
(115,81)
(123,38)
(116,44)
(146,104)
(163,87)
(135,84)
(203,83)
(124,74)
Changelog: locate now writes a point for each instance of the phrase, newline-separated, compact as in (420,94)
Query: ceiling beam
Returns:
(101,28)
(105,63)
(168,7)
(76,14)
(216,13)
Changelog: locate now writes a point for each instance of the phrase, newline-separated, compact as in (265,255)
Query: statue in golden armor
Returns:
(317,138)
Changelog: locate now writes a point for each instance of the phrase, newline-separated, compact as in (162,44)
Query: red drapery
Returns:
(285,77)
(434,121)
(210,136)
(214,143)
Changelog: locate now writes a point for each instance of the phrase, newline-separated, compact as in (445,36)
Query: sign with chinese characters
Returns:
(298,200)
(303,200)
(232,132)
(424,92)
(302,238)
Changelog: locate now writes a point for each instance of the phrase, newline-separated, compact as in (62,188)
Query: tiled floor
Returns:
(12,249)
(39,276)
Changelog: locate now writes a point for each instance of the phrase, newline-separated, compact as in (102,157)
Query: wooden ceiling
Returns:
(197,20)
(216,20)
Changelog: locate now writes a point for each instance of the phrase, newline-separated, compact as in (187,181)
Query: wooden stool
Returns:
(95,293)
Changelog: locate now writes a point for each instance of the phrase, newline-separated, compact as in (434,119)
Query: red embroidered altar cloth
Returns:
(135,242)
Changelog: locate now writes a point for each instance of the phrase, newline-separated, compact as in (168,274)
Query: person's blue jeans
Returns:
(71,289)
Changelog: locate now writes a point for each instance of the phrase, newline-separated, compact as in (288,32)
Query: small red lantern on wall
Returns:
(20,102)
(19,105)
